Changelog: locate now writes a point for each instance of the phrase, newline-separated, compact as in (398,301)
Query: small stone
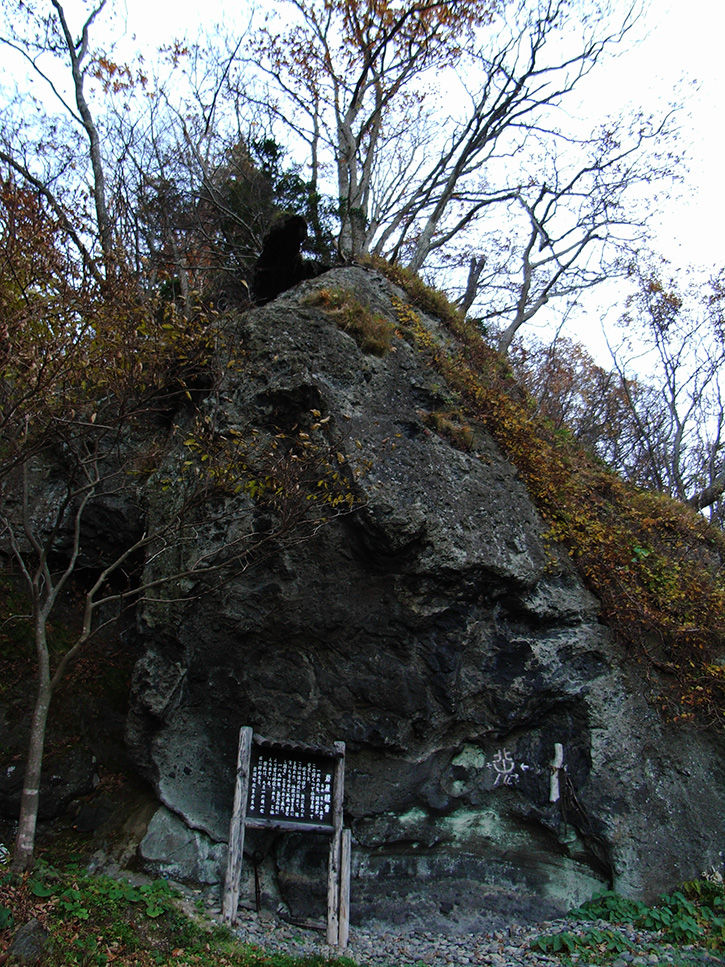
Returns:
(28,944)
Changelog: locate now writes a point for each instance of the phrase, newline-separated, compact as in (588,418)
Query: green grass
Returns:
(96,920)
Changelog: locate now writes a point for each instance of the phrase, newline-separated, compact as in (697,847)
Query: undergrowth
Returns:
(373,333)
(92,921)
(693,916)
(655,565)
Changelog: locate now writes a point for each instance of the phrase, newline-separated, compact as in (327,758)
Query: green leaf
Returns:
(40,889)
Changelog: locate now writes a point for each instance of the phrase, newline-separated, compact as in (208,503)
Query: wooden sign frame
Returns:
(297,788)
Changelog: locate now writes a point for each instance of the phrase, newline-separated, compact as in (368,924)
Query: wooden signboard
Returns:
(291,787)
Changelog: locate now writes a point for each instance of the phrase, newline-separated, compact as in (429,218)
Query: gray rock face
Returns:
(439,635)
(29,944)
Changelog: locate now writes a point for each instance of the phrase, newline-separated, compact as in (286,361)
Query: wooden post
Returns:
(333,870)
(556,764)
(324,769)
(344,926)
(235,854)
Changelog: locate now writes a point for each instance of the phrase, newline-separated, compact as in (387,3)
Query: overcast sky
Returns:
(678,56)
(674,55)
(682,57)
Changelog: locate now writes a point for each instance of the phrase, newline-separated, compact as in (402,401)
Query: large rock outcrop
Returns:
(435,631)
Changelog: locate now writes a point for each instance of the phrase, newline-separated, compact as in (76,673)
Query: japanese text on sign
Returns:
(287,787)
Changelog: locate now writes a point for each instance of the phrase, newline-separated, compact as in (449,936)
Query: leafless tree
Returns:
(445,129)
(144,149)
(90,378)
(657,415)
(577,224)
(340,78)
(93,449)
(674,334)
(45,44)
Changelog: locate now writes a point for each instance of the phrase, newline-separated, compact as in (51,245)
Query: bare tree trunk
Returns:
(709,495)
(77,53)
(347,187)
(475,269)
(23,855)
(507,336)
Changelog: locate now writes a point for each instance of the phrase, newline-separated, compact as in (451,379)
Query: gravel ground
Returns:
(509,948)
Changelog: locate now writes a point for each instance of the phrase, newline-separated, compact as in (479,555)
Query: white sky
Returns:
(677,57)
(680,57)
(678,60)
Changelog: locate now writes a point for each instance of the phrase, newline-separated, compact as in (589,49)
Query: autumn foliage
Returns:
(84,366)
(73,351)
(126,219)
(654,563)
